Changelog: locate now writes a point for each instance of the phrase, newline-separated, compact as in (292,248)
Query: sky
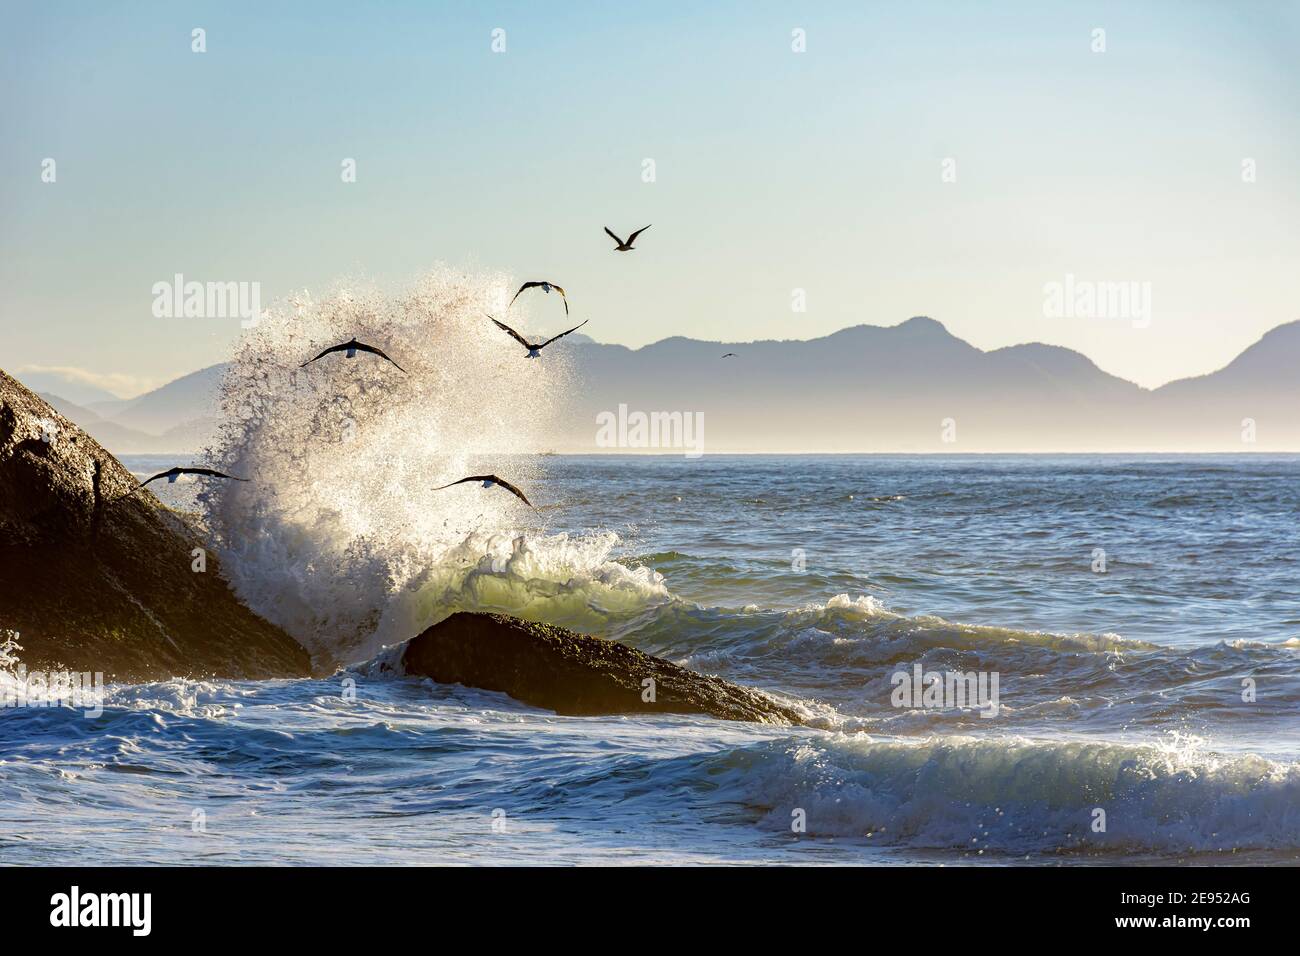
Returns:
(941,159)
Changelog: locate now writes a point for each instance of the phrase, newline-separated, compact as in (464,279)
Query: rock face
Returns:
(97,576)
(574,674)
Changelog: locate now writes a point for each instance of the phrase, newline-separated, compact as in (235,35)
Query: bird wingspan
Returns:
(496,481)
(614,237)
(563,334)
(190,471)
(511,332)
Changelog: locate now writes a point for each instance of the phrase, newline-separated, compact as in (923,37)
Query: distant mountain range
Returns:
(909,387)
(179,417)
(58,381)
(912,387)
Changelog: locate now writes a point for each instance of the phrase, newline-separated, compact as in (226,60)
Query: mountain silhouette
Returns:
(903,388)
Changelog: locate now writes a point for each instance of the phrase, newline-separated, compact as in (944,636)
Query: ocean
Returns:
(1140,616)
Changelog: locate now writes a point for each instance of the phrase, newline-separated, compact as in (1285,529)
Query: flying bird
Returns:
(352,347)
(534,349)
(729,355)
(488,482)
(171,474)
(545,287)
(626,246)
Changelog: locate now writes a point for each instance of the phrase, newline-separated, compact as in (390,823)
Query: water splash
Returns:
(9,648)
(340,536)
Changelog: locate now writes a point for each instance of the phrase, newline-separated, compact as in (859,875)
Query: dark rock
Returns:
(96,575)
(575,674)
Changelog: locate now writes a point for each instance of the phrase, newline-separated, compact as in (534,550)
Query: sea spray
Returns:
(20,687)
(339,536)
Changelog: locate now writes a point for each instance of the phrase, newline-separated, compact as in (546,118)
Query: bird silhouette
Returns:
(488,482)
(352,347)
(545,287)
(626,246)
(171,474)
(534,349)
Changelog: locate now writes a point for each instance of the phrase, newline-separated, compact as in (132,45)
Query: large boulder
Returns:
(575,674)
(96,575)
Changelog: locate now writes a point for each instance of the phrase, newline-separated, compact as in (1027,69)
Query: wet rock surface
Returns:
(96,575)
(575,674)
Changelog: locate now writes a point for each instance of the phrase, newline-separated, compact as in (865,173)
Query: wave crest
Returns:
(1012,795)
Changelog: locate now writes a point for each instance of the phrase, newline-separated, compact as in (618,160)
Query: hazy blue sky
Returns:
(775,170)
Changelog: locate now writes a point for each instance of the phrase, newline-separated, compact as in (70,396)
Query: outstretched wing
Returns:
(562,296)
(362,347)
(563,334)
(210,471)
(332,348)
(632,238)
(511,332)
(614,237)
(161,474)
(512,489)
(463,480)
(523,288)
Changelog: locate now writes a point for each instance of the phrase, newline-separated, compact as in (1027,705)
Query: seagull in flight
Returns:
(729,355)
(534,349)
(545,287)
(352,347)
(171,474)
(488,482)
(626,246)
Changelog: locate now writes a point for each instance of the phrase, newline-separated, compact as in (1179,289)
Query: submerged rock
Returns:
(98,576)
(575,674)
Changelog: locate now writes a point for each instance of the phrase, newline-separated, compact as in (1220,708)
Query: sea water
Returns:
(1141,614)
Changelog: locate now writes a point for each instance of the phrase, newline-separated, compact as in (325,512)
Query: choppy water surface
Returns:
(816,578)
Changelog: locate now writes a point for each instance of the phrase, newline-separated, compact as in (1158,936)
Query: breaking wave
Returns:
(1006,795)
(340,537)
